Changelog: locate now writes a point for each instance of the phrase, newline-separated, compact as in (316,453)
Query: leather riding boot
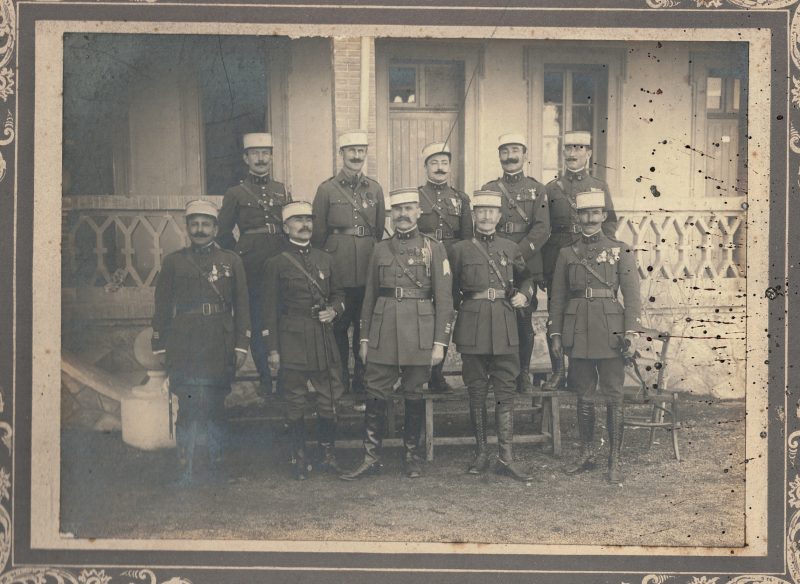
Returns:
(297,437)
(504,421)
(326,436)
(524,382)
(615,418)
(478,417)
(437,382)
(214,447)
(186,438)
(412,428)
(357,384)
(343,346)
(374,420)
(586,457)
(558,378)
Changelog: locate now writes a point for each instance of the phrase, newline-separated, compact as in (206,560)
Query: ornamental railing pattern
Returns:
(115,246)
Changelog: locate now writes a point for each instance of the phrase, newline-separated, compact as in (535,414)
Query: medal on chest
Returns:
(503,259)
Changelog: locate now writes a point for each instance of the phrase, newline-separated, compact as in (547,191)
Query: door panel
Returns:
(409,132)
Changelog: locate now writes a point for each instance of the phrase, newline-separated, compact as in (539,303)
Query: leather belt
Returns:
(511,227)
(490,294)
(441,234)
(357,231)
(593,293)
(206,309)
(403,293)
(303,311)
(565,228)
(270,228)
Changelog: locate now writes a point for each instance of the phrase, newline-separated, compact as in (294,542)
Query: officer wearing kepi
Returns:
(525,220)
(564,226)
(406,316)
(446,216)
(349,217)
(201,325)
(493,280)
(254,205)
(594,326)
(302,302)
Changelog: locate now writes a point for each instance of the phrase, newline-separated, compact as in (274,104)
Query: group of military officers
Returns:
(301,275)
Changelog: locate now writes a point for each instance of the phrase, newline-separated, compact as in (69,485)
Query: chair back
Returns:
(651,361)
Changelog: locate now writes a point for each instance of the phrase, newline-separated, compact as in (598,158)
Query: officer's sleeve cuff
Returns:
(440,344)
(365,340)
(159,352)
(241,350)
(555,335)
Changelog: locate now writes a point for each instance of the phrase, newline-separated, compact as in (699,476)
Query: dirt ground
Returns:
(110,490)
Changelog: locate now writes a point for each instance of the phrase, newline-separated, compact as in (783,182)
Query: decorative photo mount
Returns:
(31,419)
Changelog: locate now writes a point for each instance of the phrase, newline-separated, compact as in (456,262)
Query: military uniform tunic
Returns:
(306,346)
(564,226)
(446,213)
(348,231)
(402,331)
(198,326)
(530,232)
(292,326)
(585,310)
(255,206)
(486,327)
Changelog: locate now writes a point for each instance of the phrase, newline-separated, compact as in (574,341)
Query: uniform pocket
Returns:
(426,321)
(331,244)
(476,273)
(466,332)
(512,334)
(568,329)
(375,324)
(245,244)
(615,320)
(340,213)
(292,341)
(385,269)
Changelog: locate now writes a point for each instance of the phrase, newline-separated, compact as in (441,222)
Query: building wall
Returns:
(310,115)
(503,103)
(656,107)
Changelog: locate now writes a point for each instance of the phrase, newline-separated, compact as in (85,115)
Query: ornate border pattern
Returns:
(43,575)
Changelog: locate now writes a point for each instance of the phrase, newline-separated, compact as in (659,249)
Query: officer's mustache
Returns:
(305,230)
(356,160)
(439,172)
(511,161)
(201,233)
(404,218)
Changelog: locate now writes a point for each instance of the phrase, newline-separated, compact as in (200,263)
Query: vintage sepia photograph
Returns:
(268,240)
(337,292)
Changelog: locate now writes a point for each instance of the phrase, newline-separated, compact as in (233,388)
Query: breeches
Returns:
(597,379)
(327,385)
(499,371)
(379,379)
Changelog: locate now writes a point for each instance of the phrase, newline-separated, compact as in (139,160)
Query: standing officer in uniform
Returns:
(493,281)
(349,217)
(564,226)
(525,221)
(202,325)
(589,322)
(254,205)
(301,303)
(445,216)
(408,312)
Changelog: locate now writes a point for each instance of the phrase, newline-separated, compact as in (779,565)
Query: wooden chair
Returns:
(650,367)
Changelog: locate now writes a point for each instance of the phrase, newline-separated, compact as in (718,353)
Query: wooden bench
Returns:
(525,403)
